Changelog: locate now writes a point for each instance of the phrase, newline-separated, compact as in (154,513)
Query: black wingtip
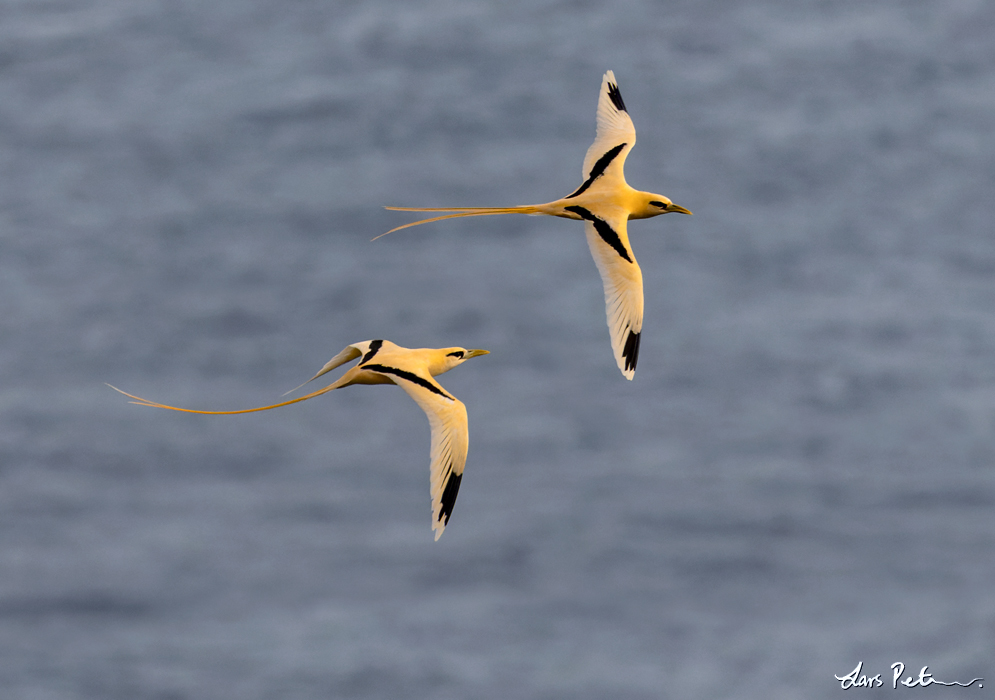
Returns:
(630,352)
(449,497)
(616,97)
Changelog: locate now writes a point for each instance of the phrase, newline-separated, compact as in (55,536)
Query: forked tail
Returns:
(461,211)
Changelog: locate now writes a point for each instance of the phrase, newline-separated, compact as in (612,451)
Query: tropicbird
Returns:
(605,202)
(413,370)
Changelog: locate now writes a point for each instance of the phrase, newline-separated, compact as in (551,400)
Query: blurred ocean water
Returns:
(799,478)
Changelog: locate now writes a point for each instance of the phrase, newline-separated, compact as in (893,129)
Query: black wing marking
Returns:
(604,230)
(375,346)
(598,170)
(410,376)
(616,97)
(449,496)
(631,350)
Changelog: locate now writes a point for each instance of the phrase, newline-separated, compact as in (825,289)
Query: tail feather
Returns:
(461,212)
(138,400)
(485,209)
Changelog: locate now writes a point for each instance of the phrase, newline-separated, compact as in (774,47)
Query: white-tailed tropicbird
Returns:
(605,202)
(413,370)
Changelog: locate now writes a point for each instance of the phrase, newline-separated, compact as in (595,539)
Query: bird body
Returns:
(604,202)
(414,370)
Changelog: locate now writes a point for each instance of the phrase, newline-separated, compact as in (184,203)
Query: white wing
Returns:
(615,137)
(450,442)
(450,437)
(351,352)
(623,281)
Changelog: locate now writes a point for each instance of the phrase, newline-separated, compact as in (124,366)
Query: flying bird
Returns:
(604,202)
(413,370)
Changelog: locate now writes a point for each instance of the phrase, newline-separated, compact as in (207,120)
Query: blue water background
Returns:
(799,478)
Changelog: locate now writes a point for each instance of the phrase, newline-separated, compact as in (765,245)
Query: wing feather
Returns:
(614,128)
(623,283)
(450,442)
(351,352)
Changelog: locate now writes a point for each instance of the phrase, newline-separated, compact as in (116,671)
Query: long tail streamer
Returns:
(463,211)
(139,401)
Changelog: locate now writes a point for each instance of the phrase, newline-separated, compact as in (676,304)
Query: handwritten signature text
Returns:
(857,679)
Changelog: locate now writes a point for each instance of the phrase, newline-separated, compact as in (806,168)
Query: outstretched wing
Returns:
(623,281)
(615,138)
(450,436)
(368,348)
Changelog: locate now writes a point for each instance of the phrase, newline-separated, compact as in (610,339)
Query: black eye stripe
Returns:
(457,353)
(658,204)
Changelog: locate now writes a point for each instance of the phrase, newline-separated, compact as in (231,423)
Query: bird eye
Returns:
(457,353)
(656,203)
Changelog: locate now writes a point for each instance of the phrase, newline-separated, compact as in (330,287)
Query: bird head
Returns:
(453,357)
(654,205)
